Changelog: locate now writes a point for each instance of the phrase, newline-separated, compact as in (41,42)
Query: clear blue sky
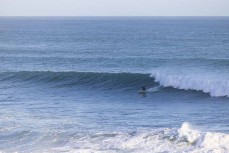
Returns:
(114,7)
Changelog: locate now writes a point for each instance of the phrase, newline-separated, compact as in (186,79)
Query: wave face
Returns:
(88,79)
(183,139)
(123,81)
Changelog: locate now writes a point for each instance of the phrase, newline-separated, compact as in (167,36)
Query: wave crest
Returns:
(216,88)
(122,81)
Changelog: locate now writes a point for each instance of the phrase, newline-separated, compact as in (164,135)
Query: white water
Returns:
(184,139)
(216,87)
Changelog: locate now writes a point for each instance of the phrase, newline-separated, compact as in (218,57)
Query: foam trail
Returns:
(215,87)
(154,89)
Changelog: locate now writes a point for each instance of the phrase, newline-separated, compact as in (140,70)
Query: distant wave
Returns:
(215,88)
(125,81)
(183,139)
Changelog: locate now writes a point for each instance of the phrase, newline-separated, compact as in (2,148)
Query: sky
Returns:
(114,7)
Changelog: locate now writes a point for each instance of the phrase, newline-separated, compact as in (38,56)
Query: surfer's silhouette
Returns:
(143,89)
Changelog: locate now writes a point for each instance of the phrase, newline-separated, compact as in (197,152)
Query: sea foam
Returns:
(184,139)
(215,87)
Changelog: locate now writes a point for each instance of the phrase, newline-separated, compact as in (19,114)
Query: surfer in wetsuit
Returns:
(143,89)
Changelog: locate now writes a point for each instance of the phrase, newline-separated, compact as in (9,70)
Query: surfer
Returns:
(143,89)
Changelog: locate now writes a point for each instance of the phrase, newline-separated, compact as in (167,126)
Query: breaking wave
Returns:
(216,88)
(184,139)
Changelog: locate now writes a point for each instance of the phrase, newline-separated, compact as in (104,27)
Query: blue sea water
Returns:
(71,84)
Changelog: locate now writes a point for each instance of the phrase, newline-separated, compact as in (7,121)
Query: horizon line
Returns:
(111,16)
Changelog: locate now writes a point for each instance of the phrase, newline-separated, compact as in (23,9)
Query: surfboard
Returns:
(142,92)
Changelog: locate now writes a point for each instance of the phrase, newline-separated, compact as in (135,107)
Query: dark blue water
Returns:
(71,84)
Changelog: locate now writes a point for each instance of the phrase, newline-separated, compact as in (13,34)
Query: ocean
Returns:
(71,84)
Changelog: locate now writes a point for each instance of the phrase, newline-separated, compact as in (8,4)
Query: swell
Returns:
(88,79)
(123,81)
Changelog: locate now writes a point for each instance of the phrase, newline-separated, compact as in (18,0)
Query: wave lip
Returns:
(216,88)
